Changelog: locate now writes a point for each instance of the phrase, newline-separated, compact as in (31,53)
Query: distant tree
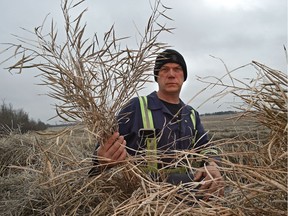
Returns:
(220,113)
(17,120)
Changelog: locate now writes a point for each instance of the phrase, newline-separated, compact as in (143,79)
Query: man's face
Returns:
(170,78)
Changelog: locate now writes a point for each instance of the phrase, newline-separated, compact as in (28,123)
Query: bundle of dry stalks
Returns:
(256,167)
(91,81)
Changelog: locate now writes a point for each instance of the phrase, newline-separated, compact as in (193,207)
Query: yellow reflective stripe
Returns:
(151,143)
(193,118)
(209,151)
(152,154)
(146,113)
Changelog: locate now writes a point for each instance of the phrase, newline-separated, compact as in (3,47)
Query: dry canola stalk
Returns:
(91,81)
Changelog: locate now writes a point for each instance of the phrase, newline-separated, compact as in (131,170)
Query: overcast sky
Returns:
(237,31)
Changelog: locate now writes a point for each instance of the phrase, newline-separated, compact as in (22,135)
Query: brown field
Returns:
(231,126)
(35,170)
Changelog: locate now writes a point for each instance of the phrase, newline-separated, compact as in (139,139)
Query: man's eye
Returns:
(178,69)
(164,69)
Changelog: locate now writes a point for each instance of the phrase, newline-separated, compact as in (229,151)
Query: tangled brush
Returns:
(255,167)
(91,81)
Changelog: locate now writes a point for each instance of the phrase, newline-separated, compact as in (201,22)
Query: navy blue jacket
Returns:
(172,133)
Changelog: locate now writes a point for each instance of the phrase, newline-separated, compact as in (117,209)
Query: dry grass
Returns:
(47,174)
(257,165)
(53,180)
(91,81)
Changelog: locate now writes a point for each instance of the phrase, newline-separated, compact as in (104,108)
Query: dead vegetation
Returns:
(47,174)
(257,162)
(90,80)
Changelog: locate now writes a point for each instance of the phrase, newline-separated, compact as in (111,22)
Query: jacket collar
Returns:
(154,103)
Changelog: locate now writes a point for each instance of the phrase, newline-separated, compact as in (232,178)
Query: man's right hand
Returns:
(113,151)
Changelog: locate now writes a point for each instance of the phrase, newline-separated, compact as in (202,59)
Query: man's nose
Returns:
(171,72)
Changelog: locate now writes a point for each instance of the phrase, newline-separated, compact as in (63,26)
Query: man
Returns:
(176,126)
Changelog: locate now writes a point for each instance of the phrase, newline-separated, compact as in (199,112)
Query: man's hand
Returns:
(212,180)
(113,151)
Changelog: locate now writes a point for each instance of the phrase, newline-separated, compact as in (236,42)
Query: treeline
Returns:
(12,120)
(220,113)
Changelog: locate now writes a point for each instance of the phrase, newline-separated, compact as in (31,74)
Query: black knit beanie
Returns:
(169,56)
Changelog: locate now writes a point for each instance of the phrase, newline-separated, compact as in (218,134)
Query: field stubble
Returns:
(232,125)
(42,174)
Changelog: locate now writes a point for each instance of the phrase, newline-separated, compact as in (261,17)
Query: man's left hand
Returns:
(212,180)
